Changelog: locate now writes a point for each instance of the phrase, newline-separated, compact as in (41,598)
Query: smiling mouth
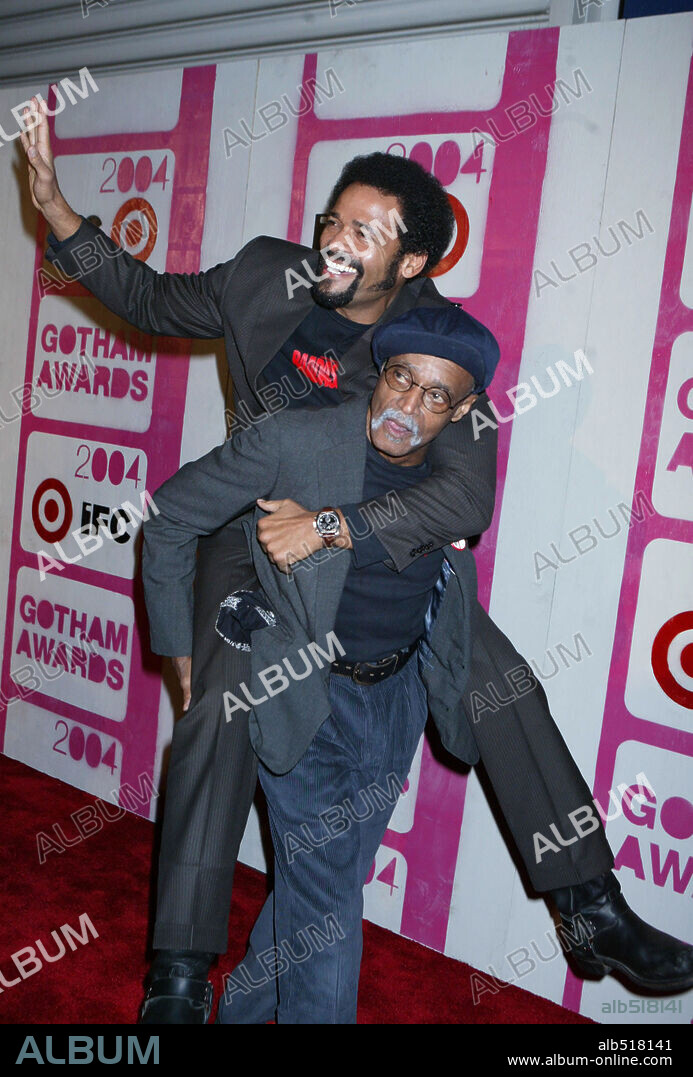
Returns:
(337,269)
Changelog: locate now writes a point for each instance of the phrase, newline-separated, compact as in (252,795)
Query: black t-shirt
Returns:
(307,364)
(381,610)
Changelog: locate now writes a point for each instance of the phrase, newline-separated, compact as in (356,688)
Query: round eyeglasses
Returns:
(435,398)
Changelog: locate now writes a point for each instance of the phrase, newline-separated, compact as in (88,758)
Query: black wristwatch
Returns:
(328,525)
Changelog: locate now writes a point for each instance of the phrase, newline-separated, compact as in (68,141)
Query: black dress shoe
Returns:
(179,992)
(607,936)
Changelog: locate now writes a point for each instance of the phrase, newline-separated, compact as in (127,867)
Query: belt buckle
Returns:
(380,665)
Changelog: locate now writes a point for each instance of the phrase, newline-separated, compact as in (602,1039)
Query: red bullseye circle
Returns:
(687,659)
(461,239)
(133,233)
(46,510)
(129,230)
(666,678)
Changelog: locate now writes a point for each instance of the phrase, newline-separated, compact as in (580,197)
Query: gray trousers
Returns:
(213,769)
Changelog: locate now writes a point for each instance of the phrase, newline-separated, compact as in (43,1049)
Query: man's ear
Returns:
(463,407)
(412,264)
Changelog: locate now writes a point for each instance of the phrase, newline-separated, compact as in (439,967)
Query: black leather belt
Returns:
(372,672)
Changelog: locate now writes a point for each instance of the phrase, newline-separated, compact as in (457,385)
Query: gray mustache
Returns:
(402,420)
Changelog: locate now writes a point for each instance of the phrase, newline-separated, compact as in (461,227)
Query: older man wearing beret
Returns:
(328,730)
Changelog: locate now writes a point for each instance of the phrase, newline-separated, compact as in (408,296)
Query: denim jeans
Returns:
(328,816)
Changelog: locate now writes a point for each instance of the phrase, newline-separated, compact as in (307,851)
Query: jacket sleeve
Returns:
(168,304)
(200,498)
(455,501)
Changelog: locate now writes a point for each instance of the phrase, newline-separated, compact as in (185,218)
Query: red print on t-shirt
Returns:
(318,368)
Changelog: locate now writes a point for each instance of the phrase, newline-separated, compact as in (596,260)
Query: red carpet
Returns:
(107,876)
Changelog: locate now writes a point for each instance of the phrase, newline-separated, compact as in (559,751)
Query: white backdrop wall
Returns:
(579,242)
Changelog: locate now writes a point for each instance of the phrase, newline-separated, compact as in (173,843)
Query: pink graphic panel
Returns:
(104,427)
(494,187)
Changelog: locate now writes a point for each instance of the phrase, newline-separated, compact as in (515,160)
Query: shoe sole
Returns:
(608,965)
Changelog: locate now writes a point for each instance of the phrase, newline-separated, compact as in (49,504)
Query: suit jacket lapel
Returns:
(277,314)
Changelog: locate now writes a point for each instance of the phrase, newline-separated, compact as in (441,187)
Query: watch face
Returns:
(327,523)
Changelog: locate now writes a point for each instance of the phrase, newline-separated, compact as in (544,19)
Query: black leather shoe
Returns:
(179,992)
(604,935)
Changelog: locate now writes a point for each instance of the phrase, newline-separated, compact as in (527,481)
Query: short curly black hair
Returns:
(426,212)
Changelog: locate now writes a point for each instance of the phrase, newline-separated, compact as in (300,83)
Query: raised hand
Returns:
(43,183)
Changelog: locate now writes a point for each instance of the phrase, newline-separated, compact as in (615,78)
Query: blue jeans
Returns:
(328,816)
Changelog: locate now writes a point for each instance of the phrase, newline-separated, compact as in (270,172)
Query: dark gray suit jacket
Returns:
(246,300)
(310,456)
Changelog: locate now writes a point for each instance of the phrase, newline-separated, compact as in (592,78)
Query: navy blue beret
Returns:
(447,332)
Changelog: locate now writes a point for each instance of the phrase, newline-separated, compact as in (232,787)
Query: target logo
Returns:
(672,658)
(659,685)
(51,510)
(135,228)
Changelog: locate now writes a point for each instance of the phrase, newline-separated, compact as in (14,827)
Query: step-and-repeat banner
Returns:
(568,161)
